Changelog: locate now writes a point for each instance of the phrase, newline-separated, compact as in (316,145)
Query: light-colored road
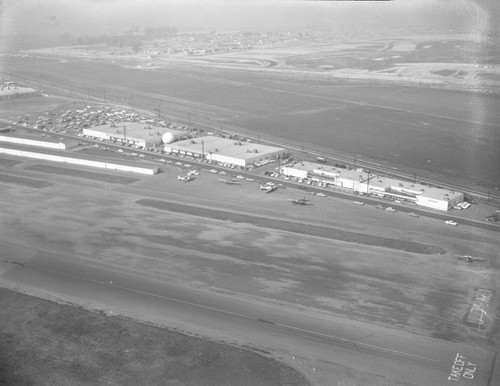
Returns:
(320,345)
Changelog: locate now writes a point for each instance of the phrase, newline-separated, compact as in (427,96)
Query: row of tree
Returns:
(132,38)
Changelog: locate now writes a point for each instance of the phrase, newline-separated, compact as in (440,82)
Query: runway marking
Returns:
(462,368)
(380,348)
(333,337)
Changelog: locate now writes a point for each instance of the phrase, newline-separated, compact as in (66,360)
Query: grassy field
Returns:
(46,343)
(23,181)
(242,249)
(312,230)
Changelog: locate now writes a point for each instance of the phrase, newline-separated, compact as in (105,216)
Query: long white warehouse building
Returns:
(76,159)
(62,144)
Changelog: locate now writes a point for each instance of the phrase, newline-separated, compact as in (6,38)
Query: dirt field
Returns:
(46,343)
(424,290)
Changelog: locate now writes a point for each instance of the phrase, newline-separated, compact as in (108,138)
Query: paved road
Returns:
(320,345)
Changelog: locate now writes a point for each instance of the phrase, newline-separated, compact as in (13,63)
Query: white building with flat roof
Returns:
(224,150)
(78,159)
(138,134)
(362,181)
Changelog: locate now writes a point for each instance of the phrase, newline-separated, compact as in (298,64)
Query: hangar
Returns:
(225,150)
(78,159)
(49,143)
(136,133)
(362,181)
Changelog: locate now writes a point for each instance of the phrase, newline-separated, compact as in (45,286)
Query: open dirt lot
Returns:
(425,291)
(46,343)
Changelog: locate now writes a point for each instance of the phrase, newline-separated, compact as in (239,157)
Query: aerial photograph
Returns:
(249,192)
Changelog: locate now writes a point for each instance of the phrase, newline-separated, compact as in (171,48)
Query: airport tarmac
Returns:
(327,302)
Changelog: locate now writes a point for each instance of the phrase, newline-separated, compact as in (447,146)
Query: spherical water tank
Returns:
(169,137)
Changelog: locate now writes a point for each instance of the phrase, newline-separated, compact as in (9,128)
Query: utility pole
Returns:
(125,134)
(368,183)
(202,149)
(132,101)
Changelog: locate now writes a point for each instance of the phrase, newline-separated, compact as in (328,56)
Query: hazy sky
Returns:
(101,16)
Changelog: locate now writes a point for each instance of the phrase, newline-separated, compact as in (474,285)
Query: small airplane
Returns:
(186,178)
(470,259)
(229,181)
(268,188)
(299,201)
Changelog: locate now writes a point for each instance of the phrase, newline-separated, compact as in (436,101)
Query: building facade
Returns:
(362,181)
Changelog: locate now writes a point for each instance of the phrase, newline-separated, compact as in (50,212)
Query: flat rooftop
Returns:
(224,146)
(134,129)
(379,181)
(414,188)
(76,155)
(318,168)
(38,137)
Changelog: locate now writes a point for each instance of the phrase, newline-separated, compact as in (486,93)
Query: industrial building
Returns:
(362,181)
(49,143)
(224,150)
(138,134)
(10,90)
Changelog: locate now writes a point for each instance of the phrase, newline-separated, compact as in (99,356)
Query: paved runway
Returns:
(317,344)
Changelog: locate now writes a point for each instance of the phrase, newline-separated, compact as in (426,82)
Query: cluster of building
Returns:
(131,130)
(203,43)
(209,147)
(363,182)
